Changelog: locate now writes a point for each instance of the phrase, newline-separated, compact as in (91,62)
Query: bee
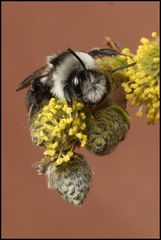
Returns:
(69,74)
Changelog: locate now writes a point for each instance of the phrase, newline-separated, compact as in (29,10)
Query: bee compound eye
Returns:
(77,87)
(76,81)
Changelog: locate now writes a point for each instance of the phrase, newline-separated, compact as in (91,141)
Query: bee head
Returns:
(90,86)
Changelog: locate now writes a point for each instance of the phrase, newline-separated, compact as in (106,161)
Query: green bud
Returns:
(108,128)
(71,179)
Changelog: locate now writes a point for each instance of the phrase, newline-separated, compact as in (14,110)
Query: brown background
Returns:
(124,198)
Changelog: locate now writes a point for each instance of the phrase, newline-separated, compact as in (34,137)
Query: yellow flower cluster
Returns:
(142,86)
(58,128)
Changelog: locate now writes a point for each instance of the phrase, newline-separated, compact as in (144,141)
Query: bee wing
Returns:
(42,72)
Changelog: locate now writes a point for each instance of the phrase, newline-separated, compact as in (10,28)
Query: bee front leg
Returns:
(68,94)
(31,104)
(37,95)
(104,52)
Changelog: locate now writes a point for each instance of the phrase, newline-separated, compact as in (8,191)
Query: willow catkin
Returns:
(71,179)
(143,85)
(108,128)
(58,128)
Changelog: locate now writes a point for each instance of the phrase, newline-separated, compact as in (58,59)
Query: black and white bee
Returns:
(68,74)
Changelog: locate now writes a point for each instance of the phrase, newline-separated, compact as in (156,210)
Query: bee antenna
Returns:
(121,68)
(78,58)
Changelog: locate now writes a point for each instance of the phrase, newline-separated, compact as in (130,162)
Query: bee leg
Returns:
(104,52)
(35,99)
(30,102)
(68,94)
(30,112)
